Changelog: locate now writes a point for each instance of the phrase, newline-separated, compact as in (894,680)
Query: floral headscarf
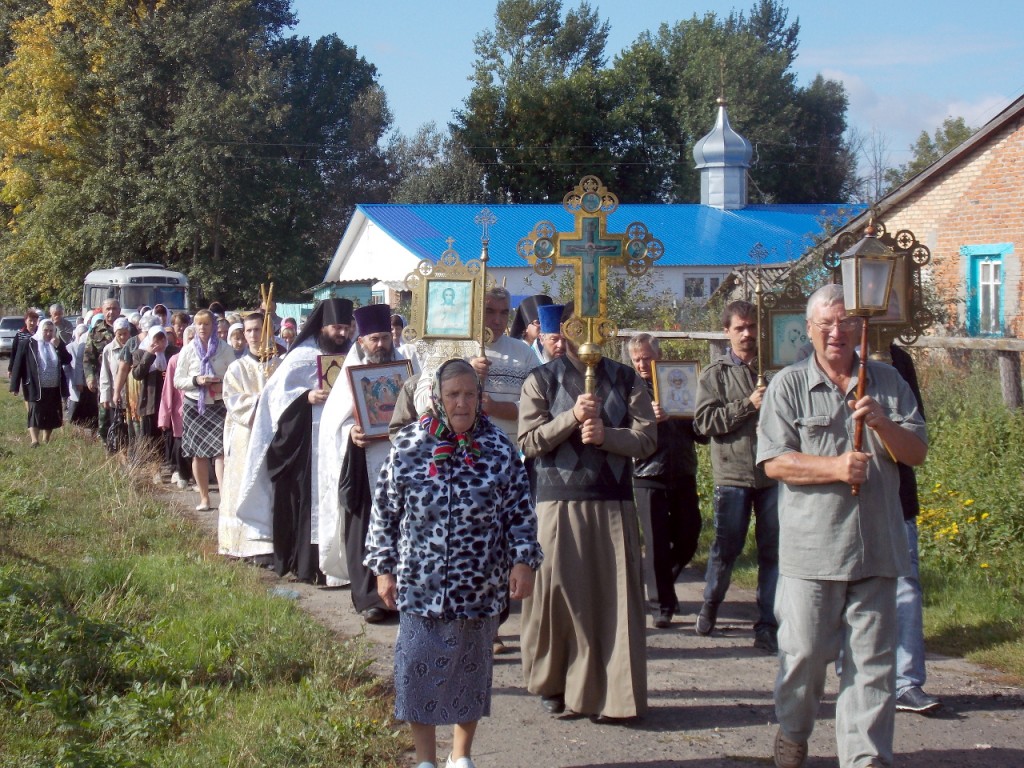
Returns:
(452,445)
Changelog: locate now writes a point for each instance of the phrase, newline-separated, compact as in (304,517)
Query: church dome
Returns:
(723,146)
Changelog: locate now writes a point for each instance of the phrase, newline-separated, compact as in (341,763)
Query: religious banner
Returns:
(446,319)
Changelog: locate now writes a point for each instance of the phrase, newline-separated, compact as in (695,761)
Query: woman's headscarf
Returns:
(450,444)
(160,364)
(205,364)
(47,354)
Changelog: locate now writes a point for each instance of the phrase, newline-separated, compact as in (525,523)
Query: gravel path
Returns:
(710,698)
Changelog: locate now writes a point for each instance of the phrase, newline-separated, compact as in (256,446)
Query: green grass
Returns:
(126,642)
(971,526)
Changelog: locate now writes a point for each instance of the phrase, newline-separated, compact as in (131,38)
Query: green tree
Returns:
(432,167)
(533,119)
(188,133)
(953,132)
(538,121)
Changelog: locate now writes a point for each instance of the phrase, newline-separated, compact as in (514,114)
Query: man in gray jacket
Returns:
(728,404)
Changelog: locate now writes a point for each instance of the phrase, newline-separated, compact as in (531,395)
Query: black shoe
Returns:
(766,640)
(706,619)
(553,705)
(916,700)
(664,619)
(375,615)
(608,720)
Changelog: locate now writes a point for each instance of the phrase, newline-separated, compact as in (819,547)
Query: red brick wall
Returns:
(979,201)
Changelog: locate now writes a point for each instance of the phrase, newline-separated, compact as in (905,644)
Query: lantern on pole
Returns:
(867,270)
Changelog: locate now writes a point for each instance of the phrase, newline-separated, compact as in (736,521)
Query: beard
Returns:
(380,356)
(329,347)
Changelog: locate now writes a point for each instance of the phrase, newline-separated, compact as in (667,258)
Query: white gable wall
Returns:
(367,252)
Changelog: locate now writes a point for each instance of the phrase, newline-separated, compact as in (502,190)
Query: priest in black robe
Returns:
(279,493)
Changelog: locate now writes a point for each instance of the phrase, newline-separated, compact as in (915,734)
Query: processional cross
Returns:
(591,251)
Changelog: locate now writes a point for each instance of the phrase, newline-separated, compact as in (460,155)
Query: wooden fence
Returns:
(1007,352)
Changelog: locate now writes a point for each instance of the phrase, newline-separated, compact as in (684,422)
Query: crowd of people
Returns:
(502,478)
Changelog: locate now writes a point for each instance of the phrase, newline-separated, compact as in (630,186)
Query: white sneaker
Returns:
(462,762)
(175,477)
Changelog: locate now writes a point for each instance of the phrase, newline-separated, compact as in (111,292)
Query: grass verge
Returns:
(125,643)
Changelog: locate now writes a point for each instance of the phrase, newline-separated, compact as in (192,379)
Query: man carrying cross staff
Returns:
(583,629)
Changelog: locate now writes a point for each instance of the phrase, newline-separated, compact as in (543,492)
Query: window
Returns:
(700,288)
(985,280)
(693,288)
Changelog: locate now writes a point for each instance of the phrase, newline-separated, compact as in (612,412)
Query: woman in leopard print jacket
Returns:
(452,532)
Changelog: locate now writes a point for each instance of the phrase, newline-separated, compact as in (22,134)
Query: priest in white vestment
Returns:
(242,386)
(279,491)
(347,481)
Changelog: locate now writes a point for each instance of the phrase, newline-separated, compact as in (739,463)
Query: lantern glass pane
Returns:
(849,283)
(874,282)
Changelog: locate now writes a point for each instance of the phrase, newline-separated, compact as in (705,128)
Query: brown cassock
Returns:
(584,628)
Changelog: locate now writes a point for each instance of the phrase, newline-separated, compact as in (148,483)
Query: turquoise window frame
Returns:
(974,257)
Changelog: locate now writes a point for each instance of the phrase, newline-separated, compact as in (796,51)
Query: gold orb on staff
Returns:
(591,252)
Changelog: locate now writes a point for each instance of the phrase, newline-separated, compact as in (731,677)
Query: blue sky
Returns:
(906,64)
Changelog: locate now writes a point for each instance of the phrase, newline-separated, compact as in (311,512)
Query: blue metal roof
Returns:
(693,235)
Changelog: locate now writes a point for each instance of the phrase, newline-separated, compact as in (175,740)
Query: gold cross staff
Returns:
(590,251)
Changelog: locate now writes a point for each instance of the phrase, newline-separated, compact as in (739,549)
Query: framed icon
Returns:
(675,386)
(787,337)
(375,390)
(449,309)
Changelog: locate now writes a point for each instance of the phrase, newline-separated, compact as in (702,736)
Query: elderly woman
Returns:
(22,336)
(452,534)
(201,366)
(169,416)
(38,372)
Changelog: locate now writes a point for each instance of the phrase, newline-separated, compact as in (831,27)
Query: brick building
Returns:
(968,208)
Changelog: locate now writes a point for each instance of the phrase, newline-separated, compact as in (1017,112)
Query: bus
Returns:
(134,286)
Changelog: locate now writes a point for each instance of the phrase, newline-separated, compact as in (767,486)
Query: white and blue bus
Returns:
(134,286)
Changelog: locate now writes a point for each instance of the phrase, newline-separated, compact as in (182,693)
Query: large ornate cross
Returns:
(591,252)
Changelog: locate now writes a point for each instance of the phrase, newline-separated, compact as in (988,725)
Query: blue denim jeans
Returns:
(733,506)
(909,623)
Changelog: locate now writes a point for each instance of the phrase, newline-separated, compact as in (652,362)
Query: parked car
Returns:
(9,327)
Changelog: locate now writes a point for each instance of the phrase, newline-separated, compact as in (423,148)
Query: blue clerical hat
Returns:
(550,318)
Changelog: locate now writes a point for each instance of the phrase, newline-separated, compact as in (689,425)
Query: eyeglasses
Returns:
(845,325)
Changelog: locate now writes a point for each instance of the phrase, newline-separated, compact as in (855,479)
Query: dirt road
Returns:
(710,699)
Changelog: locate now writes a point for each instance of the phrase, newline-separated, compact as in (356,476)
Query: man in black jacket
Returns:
(665,491)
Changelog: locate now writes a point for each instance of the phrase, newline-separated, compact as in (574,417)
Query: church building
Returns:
(703,243)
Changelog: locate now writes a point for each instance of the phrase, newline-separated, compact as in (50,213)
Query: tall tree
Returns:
(190,133)
(533,119)
(434,168)
(537,124)
(953,132)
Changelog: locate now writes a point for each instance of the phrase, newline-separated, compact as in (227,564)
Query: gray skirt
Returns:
(443,669)
(202,434)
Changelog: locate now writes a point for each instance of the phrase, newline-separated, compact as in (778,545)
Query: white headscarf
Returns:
(47,354)
(147,345)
